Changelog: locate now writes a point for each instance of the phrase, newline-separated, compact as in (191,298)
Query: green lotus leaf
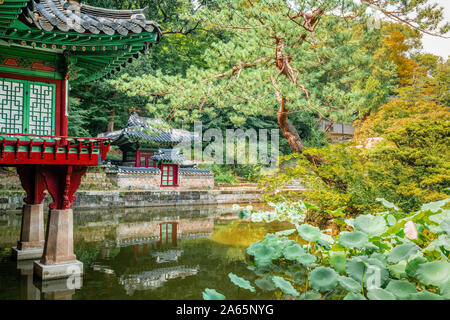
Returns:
(445,226)
(412,265)
(241,282)
(445,290)
(294,252)
(354,296)
(323,278)
(251,249)
(434,206)
(402,252)
(310,295)
(308,232)
(401,288)
(211,294)
(265,284)
(425,295)
(398,270)
(307,259)
(285,232)
(391,220)
(355,239)
(338,260)
(285,286)
(326,240)
(387,204)
(371,225)
(349,284)
(380,294)
(380,257)
(355,268)
(434,273)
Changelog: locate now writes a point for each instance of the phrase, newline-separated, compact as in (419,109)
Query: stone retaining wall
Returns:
(13,200)
(149,181)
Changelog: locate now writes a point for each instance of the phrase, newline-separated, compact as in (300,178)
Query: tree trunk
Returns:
(111,123)
(288,130)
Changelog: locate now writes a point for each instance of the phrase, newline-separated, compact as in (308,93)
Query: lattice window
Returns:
(27,107)
(12,103)
(169,175)
(41,114)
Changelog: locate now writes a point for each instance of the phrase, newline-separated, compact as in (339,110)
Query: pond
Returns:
(156,253)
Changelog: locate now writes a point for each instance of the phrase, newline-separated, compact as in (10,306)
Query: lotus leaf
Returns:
(434,273)
(285,232)
(398,270)
(285,286)
(425,295)
(251,249)
(380,257)
(265,284)
(338,260)
(401,288)
(307,259)
(257,217)
(308,232)
(241,282)
(354,296)
(310,295)
(349,222)
(349,284)
(355,239)
(391,219)
(355,269)
(445,226)
(326,240)
(445,290)
(211,294)
(434,206)
(293,252)
(402,252)
(387,204)
(371,225)
(380,294)
(412,265)
(323,278)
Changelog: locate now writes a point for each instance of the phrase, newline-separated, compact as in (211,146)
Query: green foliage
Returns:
(241,282)
(211,294)
(409,165)
(361,264)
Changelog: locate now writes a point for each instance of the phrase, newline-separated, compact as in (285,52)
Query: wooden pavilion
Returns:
(44,46)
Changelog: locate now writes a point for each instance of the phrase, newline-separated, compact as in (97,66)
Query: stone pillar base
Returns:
(60,270)
(31,244)
(27,254)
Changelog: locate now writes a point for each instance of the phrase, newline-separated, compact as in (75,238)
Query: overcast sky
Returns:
(437,45)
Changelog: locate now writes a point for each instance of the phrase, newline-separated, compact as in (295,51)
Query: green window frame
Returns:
(27,107)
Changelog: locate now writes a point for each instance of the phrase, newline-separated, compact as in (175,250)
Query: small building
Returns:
(338,132)
(149,160)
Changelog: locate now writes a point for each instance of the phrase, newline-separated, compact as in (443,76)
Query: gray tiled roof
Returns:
(171,155)
(144,129)
(121,169)
(60,14)
(194,171)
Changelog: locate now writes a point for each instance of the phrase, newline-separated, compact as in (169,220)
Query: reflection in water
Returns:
(157,253)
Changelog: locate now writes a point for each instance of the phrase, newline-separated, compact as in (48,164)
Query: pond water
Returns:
(156,253)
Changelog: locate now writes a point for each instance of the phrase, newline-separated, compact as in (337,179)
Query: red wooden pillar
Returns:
(58,259)
(31,243)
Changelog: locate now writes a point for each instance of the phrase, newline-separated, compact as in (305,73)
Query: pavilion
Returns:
(45,45)
(151,159)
